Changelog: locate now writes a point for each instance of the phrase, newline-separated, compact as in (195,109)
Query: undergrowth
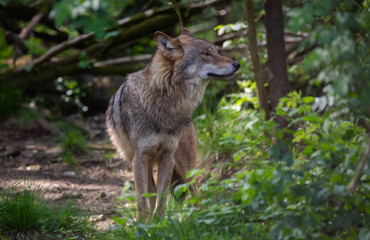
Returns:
(25,214)
(73,142)
(273,190)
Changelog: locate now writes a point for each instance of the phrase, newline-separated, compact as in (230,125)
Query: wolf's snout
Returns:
(236,65)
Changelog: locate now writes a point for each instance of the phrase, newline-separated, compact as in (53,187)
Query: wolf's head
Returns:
(194,59)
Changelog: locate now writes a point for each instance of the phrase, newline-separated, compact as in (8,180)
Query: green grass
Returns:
(73,142)
(183,220)
(26,215)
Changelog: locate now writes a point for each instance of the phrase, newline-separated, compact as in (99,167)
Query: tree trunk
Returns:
(278,76)
(253,49)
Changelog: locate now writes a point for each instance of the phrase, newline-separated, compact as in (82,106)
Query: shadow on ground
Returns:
(30,154)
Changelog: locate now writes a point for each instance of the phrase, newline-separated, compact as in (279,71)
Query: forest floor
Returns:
(31,156)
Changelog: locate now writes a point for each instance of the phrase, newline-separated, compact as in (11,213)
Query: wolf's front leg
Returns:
(151,187)
(165,169)
(140,169)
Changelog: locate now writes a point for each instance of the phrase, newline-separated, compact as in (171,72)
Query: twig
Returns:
(360,167)
(176,7)
(30,26)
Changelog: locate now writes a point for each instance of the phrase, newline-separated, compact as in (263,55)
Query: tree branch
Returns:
(176,7)
(55,72)
(54,51)
(24,34)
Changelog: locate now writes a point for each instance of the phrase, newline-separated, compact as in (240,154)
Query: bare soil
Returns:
(32,154)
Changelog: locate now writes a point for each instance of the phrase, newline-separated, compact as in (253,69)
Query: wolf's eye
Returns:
(207,54)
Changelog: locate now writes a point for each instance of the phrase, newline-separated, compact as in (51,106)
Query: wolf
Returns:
(148,118)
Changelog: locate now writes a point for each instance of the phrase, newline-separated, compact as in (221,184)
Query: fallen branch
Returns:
(55,72)
(54,51)
(41,69)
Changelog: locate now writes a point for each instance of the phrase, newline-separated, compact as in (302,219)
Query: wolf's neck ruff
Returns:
(167,98)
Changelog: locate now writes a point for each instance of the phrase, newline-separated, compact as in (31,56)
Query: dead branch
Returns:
(41,69)
(24,34)
(45,74)
(55,50)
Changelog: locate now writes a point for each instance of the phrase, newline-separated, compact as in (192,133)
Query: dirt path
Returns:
(29,154)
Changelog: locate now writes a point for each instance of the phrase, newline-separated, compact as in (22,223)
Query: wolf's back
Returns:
(116,124)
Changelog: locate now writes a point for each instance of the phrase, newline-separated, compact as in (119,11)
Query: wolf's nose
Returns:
(236,65)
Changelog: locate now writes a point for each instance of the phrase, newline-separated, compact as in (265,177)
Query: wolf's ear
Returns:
(169,47)
(185,31)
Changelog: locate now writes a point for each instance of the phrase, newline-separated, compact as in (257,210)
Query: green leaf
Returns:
(120,221)
(336,178)
(194,172)
(308,99)
(180,189)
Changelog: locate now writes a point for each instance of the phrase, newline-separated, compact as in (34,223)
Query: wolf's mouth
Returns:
(213,75)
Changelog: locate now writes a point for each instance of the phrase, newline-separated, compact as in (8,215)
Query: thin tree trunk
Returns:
(278,76)
(253,49)
(360,167)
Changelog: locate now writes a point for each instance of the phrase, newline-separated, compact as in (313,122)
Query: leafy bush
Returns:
(224,132)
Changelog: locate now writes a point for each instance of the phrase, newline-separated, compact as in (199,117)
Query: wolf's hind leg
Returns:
(140,169)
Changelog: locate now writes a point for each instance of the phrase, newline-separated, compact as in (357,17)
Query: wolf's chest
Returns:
(156,143)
